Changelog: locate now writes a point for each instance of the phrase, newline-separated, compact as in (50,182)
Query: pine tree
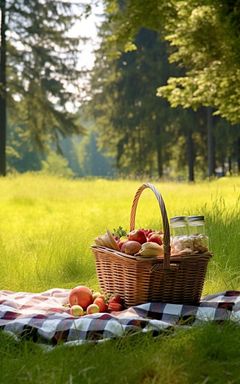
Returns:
(132,120)
(38,63)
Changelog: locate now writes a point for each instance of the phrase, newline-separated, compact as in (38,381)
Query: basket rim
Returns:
(173,258)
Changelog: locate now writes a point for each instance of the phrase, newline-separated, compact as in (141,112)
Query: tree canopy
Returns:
(42,64)
(38,67)
(165,48)
(204,36)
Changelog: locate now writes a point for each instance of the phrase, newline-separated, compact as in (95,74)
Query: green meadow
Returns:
(47,225)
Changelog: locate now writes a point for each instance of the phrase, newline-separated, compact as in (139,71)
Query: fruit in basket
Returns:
(137,235)
(101,304)
(121,241)
(92,308)
(80,295)
(147,232)
(131,247)
(107,240)
(113,241)
(151,249)
(156,238)
(102,241)
(76,310)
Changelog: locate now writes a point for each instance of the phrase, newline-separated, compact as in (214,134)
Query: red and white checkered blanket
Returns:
(43,316)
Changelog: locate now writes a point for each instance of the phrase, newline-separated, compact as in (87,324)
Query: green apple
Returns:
(76,310)
(93,308)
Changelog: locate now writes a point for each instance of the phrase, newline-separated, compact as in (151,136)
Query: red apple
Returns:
(147,231)
(80,295)
(137,235)
(155,238)
(121,241)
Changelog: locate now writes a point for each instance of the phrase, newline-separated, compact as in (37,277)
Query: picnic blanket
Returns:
(44,317)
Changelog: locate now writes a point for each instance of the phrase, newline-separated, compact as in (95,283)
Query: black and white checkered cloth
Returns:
(44,317)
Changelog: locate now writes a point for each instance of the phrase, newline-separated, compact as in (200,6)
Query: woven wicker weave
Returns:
(171,278)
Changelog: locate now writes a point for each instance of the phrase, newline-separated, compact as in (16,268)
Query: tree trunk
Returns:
(159,152)
(3,101)
(223,167)
(210,143)
(190,155)
(159,161)
(230,165)
(238,155)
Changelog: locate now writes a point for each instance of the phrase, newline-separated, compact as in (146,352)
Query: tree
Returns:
(211,143)
(38,62)
(205,40)
(227,141)
(204,37)
(22,154)
(135,126)
(91,160)
(57,165)
(132,121)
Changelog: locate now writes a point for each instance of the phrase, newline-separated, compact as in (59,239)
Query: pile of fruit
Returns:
(143,242)
(83,301)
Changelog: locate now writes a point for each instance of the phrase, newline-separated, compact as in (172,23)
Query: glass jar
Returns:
(179,226)
(196,225)
(197,230)
(179,231)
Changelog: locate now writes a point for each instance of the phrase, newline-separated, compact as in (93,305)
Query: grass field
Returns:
(46,228)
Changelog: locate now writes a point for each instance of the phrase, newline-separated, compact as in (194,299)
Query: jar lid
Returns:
(195,218)
(177,219)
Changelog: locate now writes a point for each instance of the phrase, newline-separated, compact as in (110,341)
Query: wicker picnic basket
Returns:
(177,278)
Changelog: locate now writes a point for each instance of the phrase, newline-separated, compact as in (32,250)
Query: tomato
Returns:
(115,299)
(113,306)
(101,304)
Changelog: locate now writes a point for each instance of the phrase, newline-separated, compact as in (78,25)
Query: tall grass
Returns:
(47,225)
(202,355)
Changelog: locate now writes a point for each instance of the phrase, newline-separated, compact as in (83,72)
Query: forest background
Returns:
(161,101)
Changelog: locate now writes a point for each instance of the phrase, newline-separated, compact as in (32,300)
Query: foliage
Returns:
(22,153)
(204,36)
(68,148)
(132,121)
(74,155)
(41,63)
(207,44)
(140,130)
(92,160)
(56,165)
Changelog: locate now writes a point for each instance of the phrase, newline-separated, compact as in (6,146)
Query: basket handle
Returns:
(166,230)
